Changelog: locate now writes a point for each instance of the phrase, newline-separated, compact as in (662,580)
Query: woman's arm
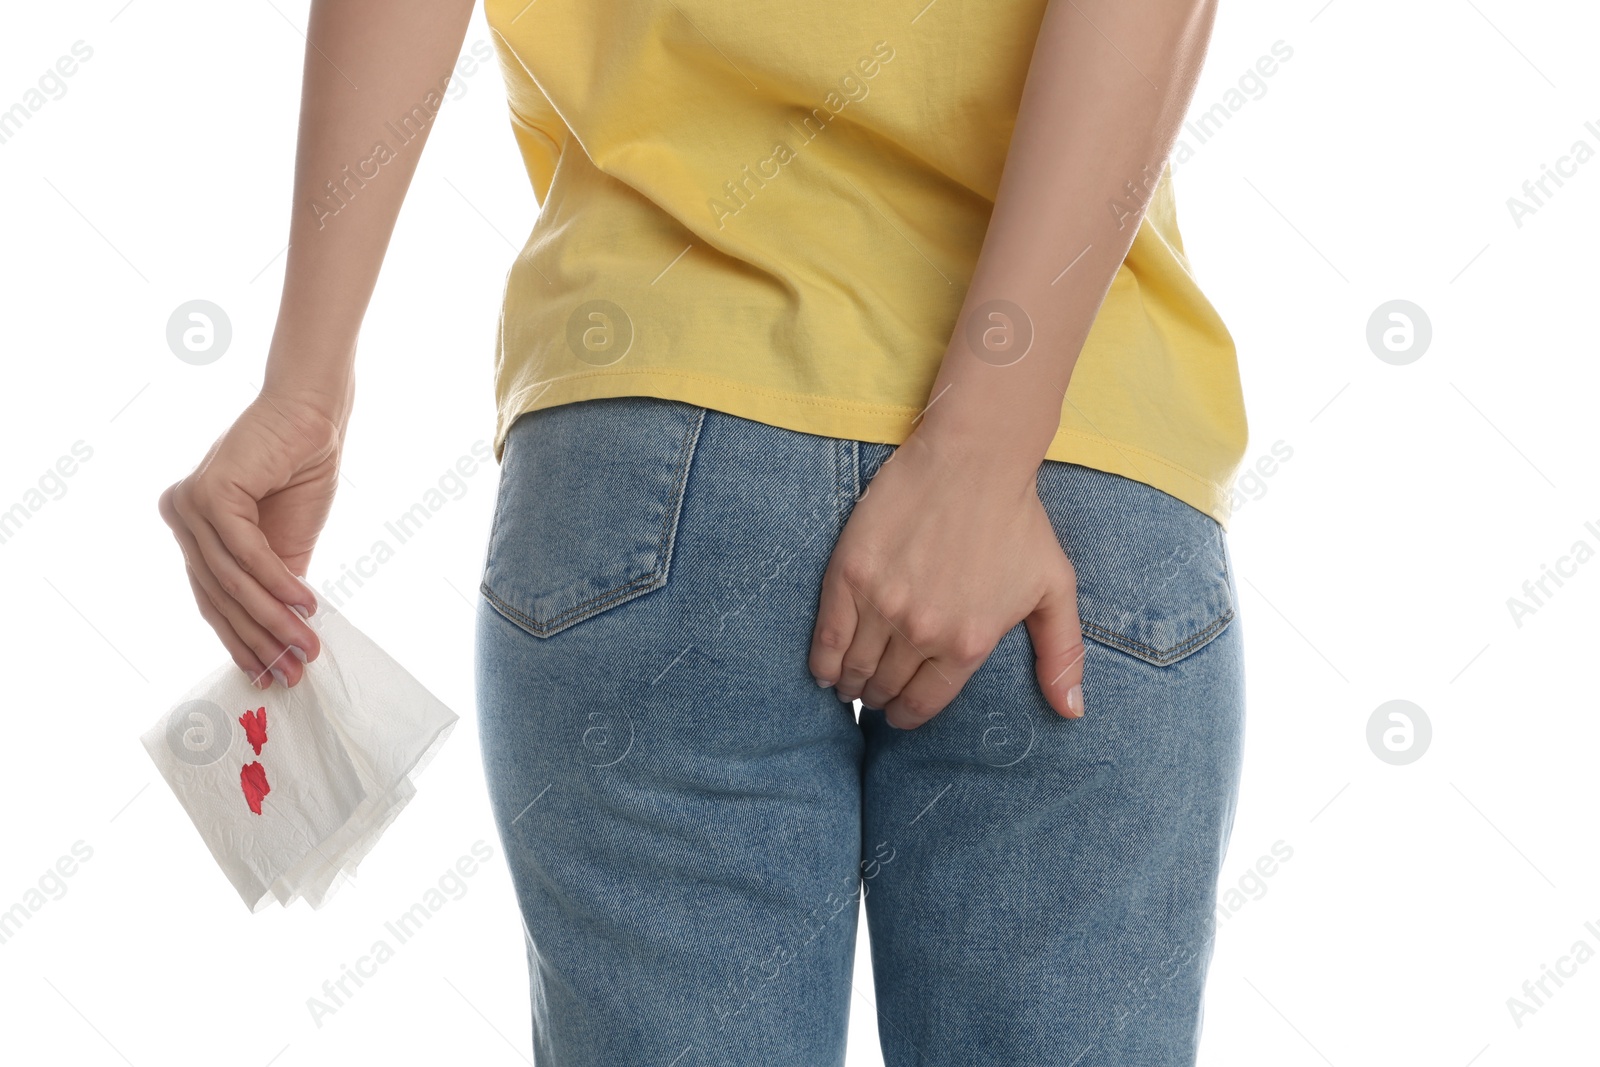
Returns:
(1106,94)
(376,71)
(951,547)
(248,516)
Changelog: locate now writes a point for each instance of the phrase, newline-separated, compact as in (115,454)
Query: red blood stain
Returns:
(253,777)
(255,728)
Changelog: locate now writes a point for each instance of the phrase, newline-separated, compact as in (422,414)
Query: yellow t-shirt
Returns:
(774,209)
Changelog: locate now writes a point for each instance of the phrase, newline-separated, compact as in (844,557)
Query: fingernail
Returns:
(277,676)
(822,682)
(1075,702)
(311,608)
(300,611)
(297,653)
(258,680)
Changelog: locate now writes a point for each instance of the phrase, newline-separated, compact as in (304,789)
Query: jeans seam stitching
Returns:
(842,480)
(546,627)
(1161,658)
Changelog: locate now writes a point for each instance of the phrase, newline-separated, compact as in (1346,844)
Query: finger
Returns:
(861,660)
(244,540)
(1058,650)
(834,630)
(928,693)
(236,647)
(271,653)
(250,547)
(280,624)
(899,664)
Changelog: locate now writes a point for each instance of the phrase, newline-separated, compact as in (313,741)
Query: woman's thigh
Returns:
(678,801)
(1043,888)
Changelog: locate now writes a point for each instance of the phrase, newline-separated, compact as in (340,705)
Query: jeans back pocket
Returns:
(587,508)
(1153,572)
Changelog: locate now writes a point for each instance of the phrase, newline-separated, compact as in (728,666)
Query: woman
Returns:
(781,245)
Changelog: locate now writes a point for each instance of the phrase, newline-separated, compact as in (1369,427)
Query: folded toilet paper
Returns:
(291,788)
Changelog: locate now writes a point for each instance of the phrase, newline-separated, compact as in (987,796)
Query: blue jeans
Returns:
(691,822)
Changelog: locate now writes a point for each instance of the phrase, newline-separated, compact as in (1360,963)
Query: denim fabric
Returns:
(691,822)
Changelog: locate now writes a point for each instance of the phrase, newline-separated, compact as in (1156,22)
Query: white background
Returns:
(1374,564)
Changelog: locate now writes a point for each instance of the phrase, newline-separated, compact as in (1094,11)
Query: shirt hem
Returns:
(851,420)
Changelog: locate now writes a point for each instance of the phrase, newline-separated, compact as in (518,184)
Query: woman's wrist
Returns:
(321,379)
(988,420)
(976,445)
